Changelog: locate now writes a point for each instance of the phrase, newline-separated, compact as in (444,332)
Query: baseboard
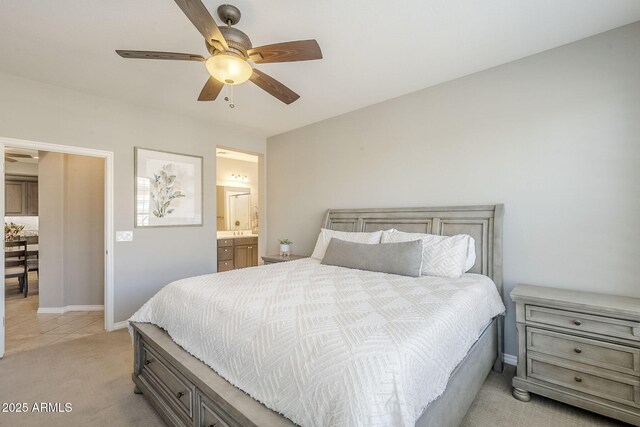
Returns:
(120,325)
(68,308)
(510,359)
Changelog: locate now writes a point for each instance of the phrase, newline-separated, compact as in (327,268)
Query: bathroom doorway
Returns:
(237,209)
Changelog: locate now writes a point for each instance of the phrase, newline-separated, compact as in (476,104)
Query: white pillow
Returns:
(443,256)
(325,237)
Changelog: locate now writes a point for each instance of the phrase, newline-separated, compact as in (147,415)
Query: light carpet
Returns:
(94,375)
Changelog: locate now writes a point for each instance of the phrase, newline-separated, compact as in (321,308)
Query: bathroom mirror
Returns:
(233,208)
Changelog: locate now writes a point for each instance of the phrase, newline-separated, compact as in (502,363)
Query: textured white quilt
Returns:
(325,345)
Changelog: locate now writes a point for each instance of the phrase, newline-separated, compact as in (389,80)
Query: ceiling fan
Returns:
(11,157)
(230,51)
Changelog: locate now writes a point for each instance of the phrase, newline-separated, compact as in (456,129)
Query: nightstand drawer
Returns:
(225,254)
(615,357)
(597,382)
(601,325)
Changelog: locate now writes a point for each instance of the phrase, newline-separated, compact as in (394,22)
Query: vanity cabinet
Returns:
(237,252)
(21,196)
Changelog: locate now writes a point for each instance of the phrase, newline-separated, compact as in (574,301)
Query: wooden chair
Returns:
(15,263)
(32,255)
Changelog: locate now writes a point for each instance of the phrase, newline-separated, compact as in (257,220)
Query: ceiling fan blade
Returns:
(301,50)
(9,159)
(202,20)
(273,87)
(143,54)
(210,90)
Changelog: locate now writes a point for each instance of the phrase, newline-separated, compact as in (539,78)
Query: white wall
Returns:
(41,112)
(30,222)
(555,136)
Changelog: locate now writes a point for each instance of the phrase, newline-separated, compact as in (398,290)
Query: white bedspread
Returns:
(324,345)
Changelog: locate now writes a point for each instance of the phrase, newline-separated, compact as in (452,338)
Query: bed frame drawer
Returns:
(593,381)
(210,414)
(602,354)
(601,325)
(178,390)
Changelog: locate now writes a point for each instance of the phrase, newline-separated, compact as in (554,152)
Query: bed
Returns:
(187,391)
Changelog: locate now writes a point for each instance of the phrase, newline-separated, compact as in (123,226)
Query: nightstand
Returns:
(272,259)
(580,348)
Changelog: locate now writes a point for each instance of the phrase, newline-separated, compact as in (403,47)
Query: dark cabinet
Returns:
(21,196)
(240,252)
(32,198)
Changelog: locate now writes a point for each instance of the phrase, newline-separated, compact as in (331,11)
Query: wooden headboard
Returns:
(483,223)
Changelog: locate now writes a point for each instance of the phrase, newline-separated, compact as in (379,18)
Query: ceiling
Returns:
(374,50)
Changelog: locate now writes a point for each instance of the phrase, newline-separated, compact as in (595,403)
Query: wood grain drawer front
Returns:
(615,357)
(225,242)
(178,389)
(597,382)
(225,266)
(225,253)
(246,241)
(601,325)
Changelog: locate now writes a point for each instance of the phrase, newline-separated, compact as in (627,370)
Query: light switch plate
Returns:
(124,236)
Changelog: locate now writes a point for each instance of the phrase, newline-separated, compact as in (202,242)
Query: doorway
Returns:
(238,207)
(81,165)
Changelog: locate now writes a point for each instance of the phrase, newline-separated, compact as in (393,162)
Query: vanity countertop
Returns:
(236,236)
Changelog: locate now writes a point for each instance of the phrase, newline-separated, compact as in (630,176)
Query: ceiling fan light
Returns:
(229,69)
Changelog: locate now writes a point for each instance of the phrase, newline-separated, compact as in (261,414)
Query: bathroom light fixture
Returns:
(239,178)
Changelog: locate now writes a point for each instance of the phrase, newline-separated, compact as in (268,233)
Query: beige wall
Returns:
(83,230)
(51,229)
(71,242)
(555,136)
(21,168)
(46,113)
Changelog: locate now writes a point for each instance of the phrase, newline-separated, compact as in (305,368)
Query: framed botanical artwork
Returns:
(168,189)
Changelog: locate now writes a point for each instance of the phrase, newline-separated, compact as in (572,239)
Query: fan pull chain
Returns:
(229,95)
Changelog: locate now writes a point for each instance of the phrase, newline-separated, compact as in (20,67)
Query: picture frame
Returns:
(168,189)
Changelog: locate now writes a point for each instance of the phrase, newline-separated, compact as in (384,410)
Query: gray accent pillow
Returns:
(403,258)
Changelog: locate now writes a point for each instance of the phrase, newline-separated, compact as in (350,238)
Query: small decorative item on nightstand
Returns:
(580,348)
(285,247)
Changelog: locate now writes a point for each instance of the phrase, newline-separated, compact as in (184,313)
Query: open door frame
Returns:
(108,220)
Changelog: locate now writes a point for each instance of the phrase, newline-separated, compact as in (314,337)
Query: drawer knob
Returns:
(180,394)
(146,362)
(578,379)
(577,350)
(577,322)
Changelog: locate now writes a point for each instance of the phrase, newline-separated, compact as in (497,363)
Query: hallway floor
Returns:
(27,330)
